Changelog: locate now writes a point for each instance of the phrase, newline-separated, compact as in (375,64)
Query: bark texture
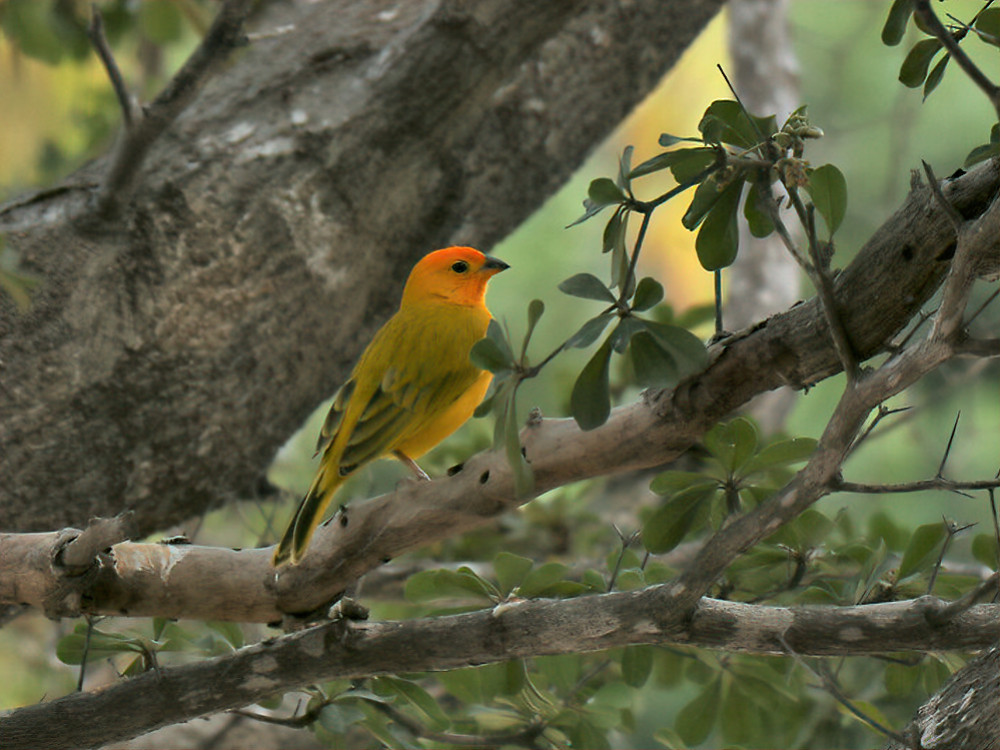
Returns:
(170,351)
(962,715)
(344,649)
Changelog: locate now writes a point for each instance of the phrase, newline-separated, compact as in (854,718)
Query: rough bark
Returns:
(964,714)
(169,353)
(513,630)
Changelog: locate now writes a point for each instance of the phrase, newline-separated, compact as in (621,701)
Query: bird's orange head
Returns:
(454,274)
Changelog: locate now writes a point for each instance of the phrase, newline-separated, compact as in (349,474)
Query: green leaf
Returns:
(914,68)
(696,720)
(590,401)
(648,293)
(524,478)
(671,482)
(654,366)
(684,158)
(623,332)
(705,197)
(895,23)
(536,308)
(985,151)
(589,331)
(828,190)
(667,140)
(71,648)
(587,286)
(719,237)
(419,699)
(725,122)
(486,354)
(624,169)
(693,163)
(429,585)
(758,219)
(881,526)
(982,153)
(665,529)
(782,453)
(687,349)
(984,549)
(936,74)
(637,663)
(230,631)
(742,717)
(510,570)
(988,22)
(620,271)
(495,332)
(339,718)
(811,528)
(922,550)
(732,443)
(604,192)
(614,231)
(542,578)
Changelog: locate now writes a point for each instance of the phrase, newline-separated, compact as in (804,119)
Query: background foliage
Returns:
(613,534)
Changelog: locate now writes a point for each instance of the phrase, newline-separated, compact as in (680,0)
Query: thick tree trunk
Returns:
(169,352)
(962,715)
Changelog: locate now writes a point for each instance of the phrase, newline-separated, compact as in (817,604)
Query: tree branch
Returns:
(924,10)
(522,629)
(143,126)
(264,245)
(207,583)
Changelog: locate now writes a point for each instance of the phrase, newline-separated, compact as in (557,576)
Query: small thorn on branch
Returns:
(950,211)
(947,449)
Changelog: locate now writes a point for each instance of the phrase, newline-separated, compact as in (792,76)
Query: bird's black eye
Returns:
(459,266)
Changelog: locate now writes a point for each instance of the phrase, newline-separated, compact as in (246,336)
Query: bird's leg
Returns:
(410,464)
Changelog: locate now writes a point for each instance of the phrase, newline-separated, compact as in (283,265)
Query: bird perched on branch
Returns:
(412,387)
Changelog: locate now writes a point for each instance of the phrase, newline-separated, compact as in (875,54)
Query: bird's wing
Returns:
(429,371)
(399,410)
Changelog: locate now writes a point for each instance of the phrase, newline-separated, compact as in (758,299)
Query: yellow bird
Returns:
(412,387)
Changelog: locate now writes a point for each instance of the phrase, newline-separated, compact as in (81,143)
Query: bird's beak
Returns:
(494,265)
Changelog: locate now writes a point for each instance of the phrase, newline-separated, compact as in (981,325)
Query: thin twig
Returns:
(937,483)
(950,211)
(831,686)
(524,736)
(223,36)
(982,307)
(996,530)
(95,32)
(883,412)
(86,652)
(820,277)
(951,530)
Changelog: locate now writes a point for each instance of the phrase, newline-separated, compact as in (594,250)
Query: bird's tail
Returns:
(307,516)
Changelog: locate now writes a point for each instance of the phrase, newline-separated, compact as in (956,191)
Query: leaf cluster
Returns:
(916,69)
